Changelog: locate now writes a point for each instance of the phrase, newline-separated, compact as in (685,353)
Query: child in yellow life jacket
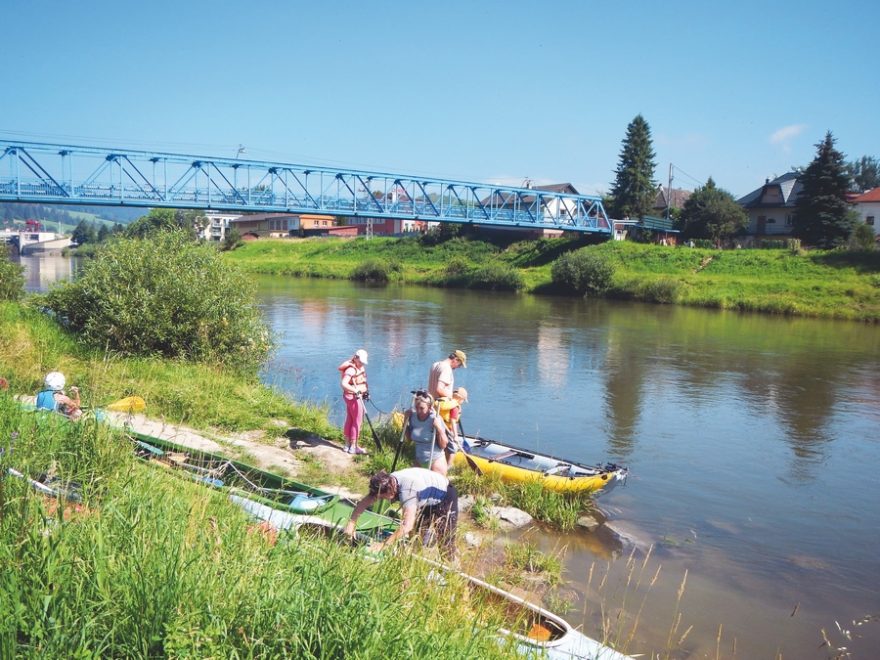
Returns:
(450,413)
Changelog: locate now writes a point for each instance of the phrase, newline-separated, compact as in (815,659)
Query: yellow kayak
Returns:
(521,466)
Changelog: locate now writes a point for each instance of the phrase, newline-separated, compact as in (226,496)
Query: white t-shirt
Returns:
(418,487)
(441,373)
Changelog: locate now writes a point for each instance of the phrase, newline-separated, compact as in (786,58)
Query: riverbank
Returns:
(195,563)
(822,284)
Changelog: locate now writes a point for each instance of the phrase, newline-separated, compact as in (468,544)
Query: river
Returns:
(752,442)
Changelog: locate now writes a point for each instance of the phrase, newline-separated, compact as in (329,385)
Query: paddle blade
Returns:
(130,404)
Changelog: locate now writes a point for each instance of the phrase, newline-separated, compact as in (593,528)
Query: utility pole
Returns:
(669,192)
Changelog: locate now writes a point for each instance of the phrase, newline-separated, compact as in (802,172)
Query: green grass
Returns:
(830,284)
(560,510)
(153,566)
(202,396)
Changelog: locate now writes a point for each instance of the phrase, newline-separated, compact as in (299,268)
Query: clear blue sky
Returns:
(484,91)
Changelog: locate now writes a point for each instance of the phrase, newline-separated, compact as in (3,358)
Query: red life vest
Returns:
(359,377)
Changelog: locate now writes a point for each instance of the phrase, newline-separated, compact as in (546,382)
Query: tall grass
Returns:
(151,566)
(561,510)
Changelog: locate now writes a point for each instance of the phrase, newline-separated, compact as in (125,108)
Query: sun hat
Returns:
(361,355)
(55,380)
(461,356)
(462,393)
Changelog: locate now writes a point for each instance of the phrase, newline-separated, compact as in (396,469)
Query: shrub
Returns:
(665,290)
(583,272)
(11,277)
(497,277)
(371,270)
(167,296)
(231,240)
(862,238)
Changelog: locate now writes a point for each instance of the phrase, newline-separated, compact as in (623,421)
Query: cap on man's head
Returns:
(461,357)
(380,483)
(361,355)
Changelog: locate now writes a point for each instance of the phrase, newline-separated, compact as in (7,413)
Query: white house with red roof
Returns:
(867,205)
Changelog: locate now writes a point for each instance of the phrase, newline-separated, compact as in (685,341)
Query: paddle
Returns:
(373,431)
(403,433)
(130,404)
(473,465)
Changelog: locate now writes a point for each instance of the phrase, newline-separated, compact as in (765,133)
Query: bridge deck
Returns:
(68,174)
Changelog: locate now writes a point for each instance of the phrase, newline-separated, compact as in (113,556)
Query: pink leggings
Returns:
(354,417)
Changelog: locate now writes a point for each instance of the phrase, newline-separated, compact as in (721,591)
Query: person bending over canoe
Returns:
(52,397)
(426,431)
(428,501)
(440,379)
(354,393)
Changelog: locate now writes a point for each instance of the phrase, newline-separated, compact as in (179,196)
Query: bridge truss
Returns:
(68,174)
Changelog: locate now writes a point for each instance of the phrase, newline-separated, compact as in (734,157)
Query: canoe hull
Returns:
(516,465)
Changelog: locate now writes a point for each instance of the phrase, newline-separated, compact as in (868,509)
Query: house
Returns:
(673,198)
(266,225)
(310,223)
(771,207)
(867,205)
(381,226)
(552,207)
(216,224)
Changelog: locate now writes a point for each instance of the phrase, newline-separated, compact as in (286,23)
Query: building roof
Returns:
(499,200)
(872,195)
(677,197)
(658,224)
(788,186)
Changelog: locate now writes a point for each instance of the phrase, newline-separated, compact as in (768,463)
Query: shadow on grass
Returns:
(863,261)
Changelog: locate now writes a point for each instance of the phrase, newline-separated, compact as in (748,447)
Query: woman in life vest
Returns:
(354,393)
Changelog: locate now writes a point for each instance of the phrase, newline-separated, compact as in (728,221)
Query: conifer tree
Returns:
(634,189)
(822,217)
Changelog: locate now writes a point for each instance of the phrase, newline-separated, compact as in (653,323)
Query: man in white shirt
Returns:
(440,379)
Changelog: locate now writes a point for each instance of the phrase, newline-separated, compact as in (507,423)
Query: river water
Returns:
(753,444)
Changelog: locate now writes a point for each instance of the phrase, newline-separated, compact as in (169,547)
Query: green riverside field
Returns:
(829,284)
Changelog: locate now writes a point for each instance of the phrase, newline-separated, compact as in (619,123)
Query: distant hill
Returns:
(69,216)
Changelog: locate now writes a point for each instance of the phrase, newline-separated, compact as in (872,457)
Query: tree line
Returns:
(822,217)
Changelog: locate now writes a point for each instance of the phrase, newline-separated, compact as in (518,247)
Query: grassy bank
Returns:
(818,283)
(200,395)
(149,565)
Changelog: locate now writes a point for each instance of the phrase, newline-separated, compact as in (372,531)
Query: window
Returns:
(771,221)
(788,220)
(869,220)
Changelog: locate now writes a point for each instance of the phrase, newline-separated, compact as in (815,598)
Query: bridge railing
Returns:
(68,174)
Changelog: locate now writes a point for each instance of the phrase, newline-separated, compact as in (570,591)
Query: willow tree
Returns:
(634,189)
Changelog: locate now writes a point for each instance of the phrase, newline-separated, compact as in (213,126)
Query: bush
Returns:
(371,270)
(166,296)
(497,277)
(583,272)
(231,240)
(664,290)
(11,277)
(862,238)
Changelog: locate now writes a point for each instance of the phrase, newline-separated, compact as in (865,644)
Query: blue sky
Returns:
(483,91)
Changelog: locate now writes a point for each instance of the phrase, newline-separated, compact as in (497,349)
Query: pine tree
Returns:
(822,217)
(634,189)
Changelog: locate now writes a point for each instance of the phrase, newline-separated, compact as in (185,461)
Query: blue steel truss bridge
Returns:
(70,174)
